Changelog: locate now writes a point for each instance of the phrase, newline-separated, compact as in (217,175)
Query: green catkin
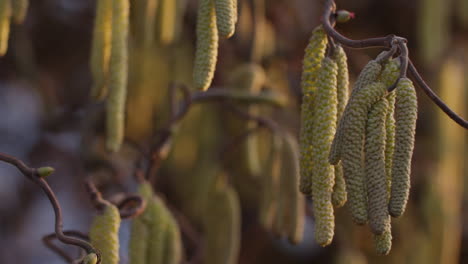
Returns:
(104,234)
(207,45)
(173,253)
(390,75)
(339,195)
(118,73)
(323,129)
(90,259)
(19,8)
(383,242)
(314,53)
(293,201)
(226,17)
(368,75)
(406,111)
(101,49)
(222,226)
(167,21)
(157,222)
(355,117)
(5,17)
(376,180)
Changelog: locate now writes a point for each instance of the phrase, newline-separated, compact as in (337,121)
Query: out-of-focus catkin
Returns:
(118,75)
(406,111)
(355,117)
(101,49)
(174,251)
(104,234)
(339,195)
(167,21)
(323,129)
(314,53)
(20,8)
(5,18)
(207,45)
(157,225)
(226,17)
(376,180)
(140,230)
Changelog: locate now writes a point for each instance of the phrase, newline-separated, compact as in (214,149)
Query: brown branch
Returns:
(387,42)
(47,240)
(32,174)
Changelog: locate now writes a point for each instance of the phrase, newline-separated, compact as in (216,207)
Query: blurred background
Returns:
(48,119)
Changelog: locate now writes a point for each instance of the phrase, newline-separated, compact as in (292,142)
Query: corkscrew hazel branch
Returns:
(33,175)
(47,240)
(387,42)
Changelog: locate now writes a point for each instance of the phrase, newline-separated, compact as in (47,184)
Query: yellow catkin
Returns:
(339,195)
(376,180)
(383,242)
(174,250)
(406,112)
(222,226)
(207,45)
(167,21)
(389,76)
(226,17)
(293,201)
(20,8)
(368,75)
(355,117)
(270,186)
(138,245)
(101,49)
(314,53)
(90,259)
(143,21)
(5,17)
(118,73)
(157,220)
(104,234)
(323,129)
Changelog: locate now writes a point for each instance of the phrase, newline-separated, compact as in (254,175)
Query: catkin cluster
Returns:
(155,236)
(216,18)
(282,205)
(325,93)
(358,150)
(374,142)
(109,65)
(10,10)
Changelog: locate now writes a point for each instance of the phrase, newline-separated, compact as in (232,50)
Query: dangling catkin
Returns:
(90,259)
(140,231)
(20,8)
(118,73)
(167,21)
(157,225)
(389,76)
(376,180)
(339,195)
(354,124)
(104,234)
(406,111)
(207,45)
(293,201)
(101,49)
(368,75)
(173,252)
(226,17)
(323,129)
(383,242)
(5,17)
(314,53)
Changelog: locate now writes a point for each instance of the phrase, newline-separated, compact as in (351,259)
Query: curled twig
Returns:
(47,240)
(131,206)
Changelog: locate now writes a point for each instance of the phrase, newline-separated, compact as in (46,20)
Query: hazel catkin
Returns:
(207,45)
(323,129)
(104,234)
(314,53)
(406,111)
(354,123)
(226,17)
(5,17)
(383,242)
(19,10)
(376,180)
